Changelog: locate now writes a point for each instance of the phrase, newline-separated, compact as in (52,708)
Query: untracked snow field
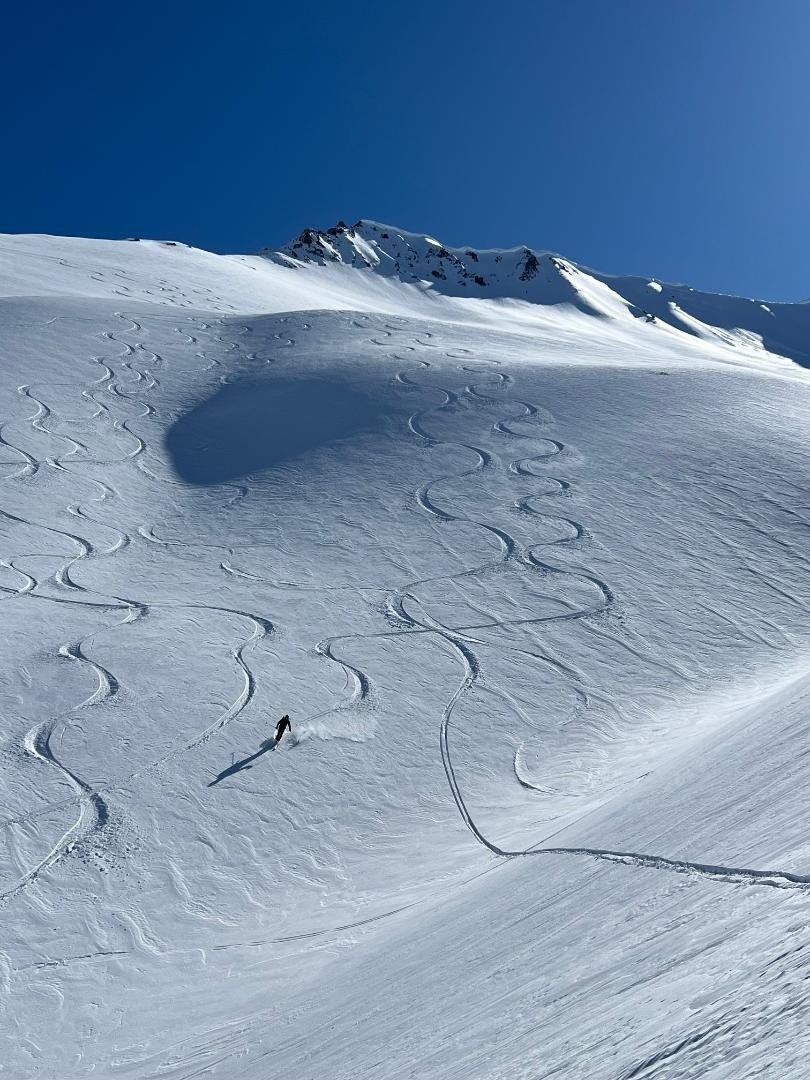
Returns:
(532,583)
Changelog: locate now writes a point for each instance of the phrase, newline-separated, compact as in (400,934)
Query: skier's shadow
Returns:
(245,763)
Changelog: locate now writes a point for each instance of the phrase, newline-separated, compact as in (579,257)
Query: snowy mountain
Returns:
(545,278)
(526,562)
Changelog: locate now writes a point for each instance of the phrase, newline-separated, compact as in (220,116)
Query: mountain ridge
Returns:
(549,279)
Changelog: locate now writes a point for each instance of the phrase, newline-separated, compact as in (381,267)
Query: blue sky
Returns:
(666,138)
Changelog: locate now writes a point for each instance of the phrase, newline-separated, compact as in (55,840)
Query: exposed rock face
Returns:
(368,245)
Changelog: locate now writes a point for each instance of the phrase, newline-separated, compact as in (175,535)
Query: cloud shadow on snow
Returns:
(250,425)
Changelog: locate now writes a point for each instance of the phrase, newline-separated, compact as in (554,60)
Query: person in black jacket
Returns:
(282,726)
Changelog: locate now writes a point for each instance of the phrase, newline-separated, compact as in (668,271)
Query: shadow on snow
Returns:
(245,763)
(251,425)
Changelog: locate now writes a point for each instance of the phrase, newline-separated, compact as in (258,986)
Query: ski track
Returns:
(93,810)
(461,643)
(402,608)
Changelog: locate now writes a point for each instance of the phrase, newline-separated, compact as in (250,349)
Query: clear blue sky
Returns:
(665,137)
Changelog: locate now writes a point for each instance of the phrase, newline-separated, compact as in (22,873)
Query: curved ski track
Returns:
(461,642)
(93,810)
(401,606)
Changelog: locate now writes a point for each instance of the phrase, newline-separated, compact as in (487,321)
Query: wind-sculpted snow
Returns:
(539,617)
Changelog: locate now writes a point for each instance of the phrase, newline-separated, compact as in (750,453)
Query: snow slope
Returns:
(529,571)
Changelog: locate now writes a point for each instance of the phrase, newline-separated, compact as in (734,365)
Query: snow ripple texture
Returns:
(537,606)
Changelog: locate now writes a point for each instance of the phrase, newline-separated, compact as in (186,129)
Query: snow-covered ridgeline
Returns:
(542,277)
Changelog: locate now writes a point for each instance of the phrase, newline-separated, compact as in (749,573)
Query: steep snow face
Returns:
(548,279)
(533,587)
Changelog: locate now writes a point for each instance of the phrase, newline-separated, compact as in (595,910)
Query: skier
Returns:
(282,726)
